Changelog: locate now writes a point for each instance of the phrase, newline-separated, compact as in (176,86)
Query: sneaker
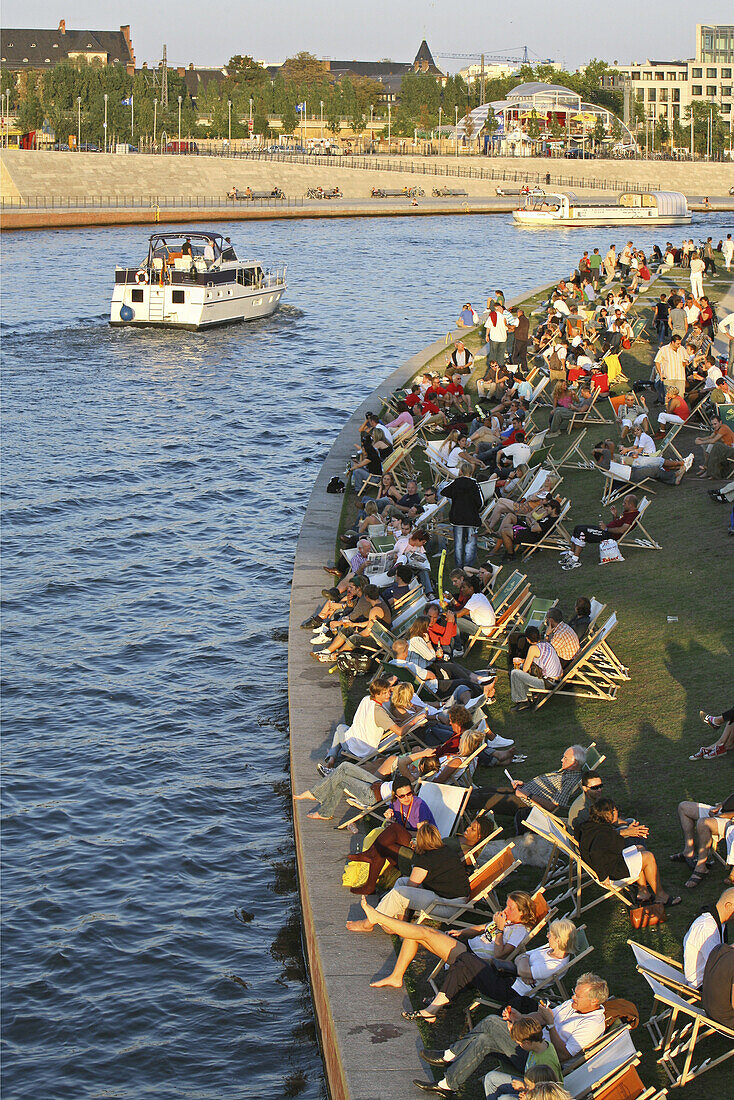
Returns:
(519,758)
(575,564)
(458,651)
(324,769)
(688,462)
(565,556)
(708,719)
(498,742)
(311,622)
(701,754)
(717,750)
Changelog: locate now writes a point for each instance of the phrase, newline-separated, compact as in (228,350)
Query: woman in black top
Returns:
(604,846)
(368,463)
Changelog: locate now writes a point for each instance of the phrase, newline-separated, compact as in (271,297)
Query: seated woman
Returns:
(369,463)
(439,872)
(523,507)
(605,849)
(480,944)
(371,518)
(586,532)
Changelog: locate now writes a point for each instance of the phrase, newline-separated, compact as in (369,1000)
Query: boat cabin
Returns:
(191,258)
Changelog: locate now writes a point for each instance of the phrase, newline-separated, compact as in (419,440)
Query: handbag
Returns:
(608,552)
(647,916)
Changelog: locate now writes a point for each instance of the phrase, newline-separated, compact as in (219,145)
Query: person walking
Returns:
(697,269)
(727,251)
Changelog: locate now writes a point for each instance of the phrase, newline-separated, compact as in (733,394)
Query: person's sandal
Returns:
(696,879)
(671,902)
(681,857)
(418,1016)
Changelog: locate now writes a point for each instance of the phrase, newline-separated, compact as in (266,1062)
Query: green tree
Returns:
(245,70)
(662,133)
(600,131)
(260,125)
(534,125)
(333,111)
(30,112)
(289,117)
(303,69)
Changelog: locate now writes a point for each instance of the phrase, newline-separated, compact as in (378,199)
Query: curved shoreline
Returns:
(358,1037)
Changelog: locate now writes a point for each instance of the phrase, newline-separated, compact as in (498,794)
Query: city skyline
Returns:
(209,39)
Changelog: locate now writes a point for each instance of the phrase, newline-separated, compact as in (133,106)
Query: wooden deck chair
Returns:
(592,415)
(573,458)
(584,677)
(594,758)
(540,382)
(700,415)
(630,539)
(687,1026)
(627,1084)
(482,886)
(533,614)
(670,974)
(604,657)
(383,543)
(437,516)
(617,482)
(555,538)
(508,604)
(472,856)
(598,1071)
(668,442)
(582,875)
(415,591)
(403,621)
(597,609)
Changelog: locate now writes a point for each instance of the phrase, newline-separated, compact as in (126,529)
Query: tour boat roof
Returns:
(199,235)
(670,202)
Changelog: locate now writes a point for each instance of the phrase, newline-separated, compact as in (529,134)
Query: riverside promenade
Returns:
(369,1052)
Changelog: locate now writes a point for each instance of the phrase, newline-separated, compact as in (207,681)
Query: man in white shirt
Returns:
(727,250)
(642,448)
(726,330)
(477,611)
(697,269)
(669,364)
(571,1027)
(495,330)
(706,933)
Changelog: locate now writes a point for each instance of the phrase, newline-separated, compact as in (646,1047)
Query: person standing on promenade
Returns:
(465,515)
(697,269)
(728,251)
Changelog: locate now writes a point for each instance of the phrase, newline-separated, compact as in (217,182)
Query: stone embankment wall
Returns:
(75,175)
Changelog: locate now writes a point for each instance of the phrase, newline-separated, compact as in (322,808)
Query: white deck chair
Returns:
(555,538)
(446,802)
(630,539)
(670,974)
(688,1025)
(617,482)
(616,1055)
(573,458)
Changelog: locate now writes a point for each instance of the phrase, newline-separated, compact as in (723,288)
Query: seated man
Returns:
(641,451)
(717,990)
(561,636)
(591,790)
(562,415)
(553,791)
(338,605)
(410,502)
(476,611)
(369,726)
(596,533)
(353,568)
(667,470)
(468,317)
(570,1028)
(631,413)
(580,621)
(720,447)
(541,658)
(707,932)
(701,822)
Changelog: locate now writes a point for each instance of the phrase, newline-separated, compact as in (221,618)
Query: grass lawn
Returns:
(648,733)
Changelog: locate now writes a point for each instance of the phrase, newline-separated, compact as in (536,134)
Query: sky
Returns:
(208,33)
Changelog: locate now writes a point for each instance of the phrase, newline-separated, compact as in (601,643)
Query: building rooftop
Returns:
(38,48)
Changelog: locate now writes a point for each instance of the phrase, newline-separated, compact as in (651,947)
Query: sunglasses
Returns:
(404,794)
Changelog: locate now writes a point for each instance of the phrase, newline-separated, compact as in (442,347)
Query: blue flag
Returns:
(127,102)
(301,106)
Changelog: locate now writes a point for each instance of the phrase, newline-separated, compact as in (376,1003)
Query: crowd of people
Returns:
(425,715)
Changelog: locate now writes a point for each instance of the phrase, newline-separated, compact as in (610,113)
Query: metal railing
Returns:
(459,170)
(164,202)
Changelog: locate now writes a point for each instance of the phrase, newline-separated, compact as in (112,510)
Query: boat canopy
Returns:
(671,203)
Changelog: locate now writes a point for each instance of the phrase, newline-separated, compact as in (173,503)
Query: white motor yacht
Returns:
(194,281)
(632,207)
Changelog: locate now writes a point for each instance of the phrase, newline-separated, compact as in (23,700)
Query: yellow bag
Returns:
(356,874)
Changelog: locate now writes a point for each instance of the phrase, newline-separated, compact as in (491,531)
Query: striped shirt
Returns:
(564,640)
(559,787)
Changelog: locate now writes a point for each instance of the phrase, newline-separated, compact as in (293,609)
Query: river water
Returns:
(153,488)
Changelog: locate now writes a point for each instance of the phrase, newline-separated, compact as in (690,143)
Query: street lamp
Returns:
(440,112)
(456,133)
(105,122)
(250,126)
(78,122)
(155,122)
(389,125)
(229,121)
(372,128)
(179,123)
(322,122)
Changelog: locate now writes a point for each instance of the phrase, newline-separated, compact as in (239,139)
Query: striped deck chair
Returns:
(602,1073)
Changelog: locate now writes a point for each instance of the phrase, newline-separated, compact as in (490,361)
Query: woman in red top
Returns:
(706,317)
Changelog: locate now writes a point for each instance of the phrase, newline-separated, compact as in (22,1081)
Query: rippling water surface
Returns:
(153,488)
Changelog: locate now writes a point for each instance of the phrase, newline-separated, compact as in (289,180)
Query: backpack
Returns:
(355,663)
(336,485)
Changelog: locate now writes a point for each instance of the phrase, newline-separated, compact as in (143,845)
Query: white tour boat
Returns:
(194,281)
(655,207)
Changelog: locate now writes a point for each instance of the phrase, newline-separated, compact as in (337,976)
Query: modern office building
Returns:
(666,89)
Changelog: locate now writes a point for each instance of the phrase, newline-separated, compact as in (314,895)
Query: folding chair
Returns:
(670,974)
(472,856)
(508,604)
(585,677)
(580,873)
(603,1069)
(482,886)
(617,482)
(700,415)
(629,538)
(533,614)
(539,389)
(446,802)
(555,538)
(573,458)
(668,442)
(592,415)
(604,657)
(688,1024)
(402,603)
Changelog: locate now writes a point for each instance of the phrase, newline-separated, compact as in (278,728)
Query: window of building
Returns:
(651,95)
(663,95)
(672,76)
(178,297)
(725,108)
(711,74)
(726,90)
(675,110)
(676,95)
(697,74)
(647,75)
(635,76)
(696,89)
(726,74)
(660,76)
(710,89)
